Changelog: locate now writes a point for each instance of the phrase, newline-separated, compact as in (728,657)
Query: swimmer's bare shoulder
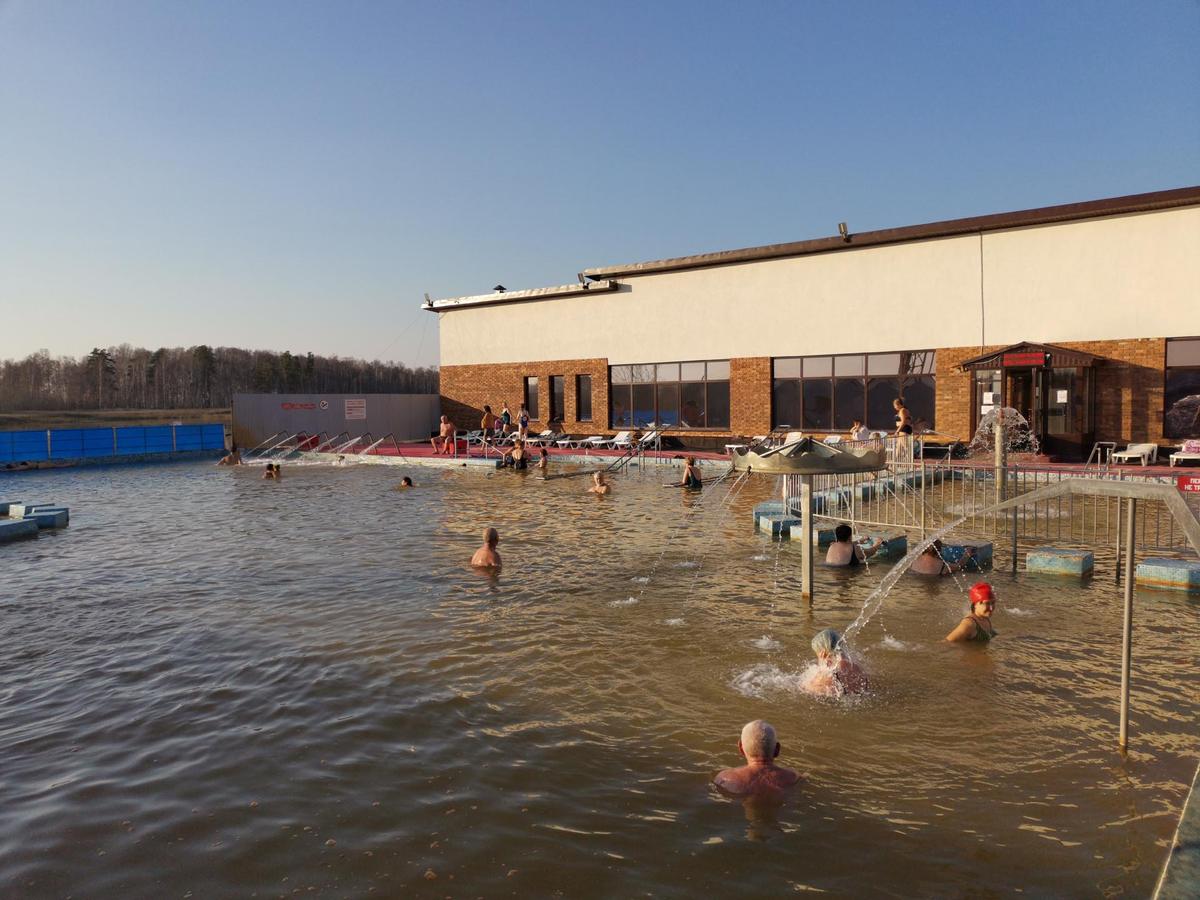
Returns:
(485,558)
(757,781)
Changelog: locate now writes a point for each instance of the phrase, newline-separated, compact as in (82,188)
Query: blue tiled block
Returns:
(952,550)
(1169,574)
(1053,561)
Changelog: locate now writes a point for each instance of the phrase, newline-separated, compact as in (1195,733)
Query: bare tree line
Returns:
(199,377)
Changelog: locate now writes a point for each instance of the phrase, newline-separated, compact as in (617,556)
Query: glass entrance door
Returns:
(1025,396)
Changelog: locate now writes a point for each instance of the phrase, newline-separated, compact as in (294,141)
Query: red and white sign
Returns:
(1189,484)
(356,409)
(1023,359)
(298,405)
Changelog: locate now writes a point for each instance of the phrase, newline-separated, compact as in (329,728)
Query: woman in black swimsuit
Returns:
(903,417)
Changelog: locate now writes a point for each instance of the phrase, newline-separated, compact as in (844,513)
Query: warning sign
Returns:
(1189,483)
(356,409)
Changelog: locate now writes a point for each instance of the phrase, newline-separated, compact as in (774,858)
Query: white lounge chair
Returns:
(1189,451)
(546,437)
(596,440)
(1143,452)
(621,441)
(758,439)
(833,439)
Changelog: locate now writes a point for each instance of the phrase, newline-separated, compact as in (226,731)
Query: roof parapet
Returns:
(546,293)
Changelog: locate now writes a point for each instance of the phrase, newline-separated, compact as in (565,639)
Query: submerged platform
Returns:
(19,519)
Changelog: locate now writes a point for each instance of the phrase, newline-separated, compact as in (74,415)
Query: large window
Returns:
(583,398)
(689,394)
(557,397)
(827,393)
(531,397)
(1181,400)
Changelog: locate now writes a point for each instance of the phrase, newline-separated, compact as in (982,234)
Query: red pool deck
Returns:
(425,451)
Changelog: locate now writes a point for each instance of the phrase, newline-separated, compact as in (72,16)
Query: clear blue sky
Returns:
(294,175)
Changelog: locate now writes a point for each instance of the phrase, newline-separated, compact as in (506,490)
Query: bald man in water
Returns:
(760,775)
(486,556)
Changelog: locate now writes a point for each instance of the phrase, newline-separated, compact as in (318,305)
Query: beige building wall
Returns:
(1120,277)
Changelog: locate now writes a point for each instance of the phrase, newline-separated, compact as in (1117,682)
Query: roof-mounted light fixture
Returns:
(499,289)
(843,232)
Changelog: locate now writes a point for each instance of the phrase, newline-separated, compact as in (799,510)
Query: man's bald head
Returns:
(758,740)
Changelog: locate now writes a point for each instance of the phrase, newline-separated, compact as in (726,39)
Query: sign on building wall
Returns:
(1023,359)
(356,409)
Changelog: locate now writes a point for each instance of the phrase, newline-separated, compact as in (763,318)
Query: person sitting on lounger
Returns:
(845,552)
(760,775)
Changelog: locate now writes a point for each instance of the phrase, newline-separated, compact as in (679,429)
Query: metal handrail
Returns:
(253,449)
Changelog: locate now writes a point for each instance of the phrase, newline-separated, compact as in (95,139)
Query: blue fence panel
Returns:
(66,443)
(159,440)
(98,442)
(189,437)
(29,445)
(213,436)
(6,446)
(131,440)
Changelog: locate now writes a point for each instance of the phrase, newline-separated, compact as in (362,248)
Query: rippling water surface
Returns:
(216,686)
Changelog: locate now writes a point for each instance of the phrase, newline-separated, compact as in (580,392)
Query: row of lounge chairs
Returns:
(623,440)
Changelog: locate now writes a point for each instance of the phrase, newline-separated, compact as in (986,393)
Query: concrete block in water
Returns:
(895,543)
(48,517)
(1169,574)
(11,529)
(952,551)
(767,509)
(778,524)
(1054,561)
(5,506)
(19,510)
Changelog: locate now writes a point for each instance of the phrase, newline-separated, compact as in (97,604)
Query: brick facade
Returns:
(750,395)
(1128,404)
(466,389)
(1129,389)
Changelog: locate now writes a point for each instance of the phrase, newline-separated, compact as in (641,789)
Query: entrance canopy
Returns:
(1027,355)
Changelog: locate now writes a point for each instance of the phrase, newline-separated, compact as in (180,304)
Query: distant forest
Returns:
(200,377)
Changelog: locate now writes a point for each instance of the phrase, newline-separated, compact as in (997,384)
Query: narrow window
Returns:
(531,396)
(583,398)
(557,397)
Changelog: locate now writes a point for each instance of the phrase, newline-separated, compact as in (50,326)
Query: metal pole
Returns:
(1127,639)
(1014,522)
(1117,576)
(806,545)
(1000,457)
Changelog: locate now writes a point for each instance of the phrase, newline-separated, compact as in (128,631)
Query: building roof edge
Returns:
(1114,206)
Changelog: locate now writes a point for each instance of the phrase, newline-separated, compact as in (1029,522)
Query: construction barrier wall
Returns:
(85,443)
